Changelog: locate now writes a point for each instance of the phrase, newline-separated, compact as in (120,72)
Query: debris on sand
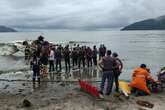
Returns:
(23,84)
(145,104)
(62,84)
(6,87)
(26,103)
(21,90)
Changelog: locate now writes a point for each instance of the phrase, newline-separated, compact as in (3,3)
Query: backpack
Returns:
(161,75)
(161,78)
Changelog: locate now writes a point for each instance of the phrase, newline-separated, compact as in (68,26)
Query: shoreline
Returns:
(63,95)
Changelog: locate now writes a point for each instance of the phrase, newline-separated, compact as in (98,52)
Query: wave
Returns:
(17,46)
(8,49)
(11,48)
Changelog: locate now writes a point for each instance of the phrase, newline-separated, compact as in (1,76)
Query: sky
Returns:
(77,14)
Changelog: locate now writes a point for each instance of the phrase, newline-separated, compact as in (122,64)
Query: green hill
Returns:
(6,29)
(149,24)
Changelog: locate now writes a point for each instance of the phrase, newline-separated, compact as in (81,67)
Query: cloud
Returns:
(46,14)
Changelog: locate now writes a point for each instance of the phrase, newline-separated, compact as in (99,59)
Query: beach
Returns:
(82,55)
(67,95)
(62,91)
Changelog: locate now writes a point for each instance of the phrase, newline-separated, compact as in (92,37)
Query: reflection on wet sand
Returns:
(91,74)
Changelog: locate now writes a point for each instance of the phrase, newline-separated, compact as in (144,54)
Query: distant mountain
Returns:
(6,29)
(149,24)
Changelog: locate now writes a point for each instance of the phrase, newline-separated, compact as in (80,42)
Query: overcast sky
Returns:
(45,14)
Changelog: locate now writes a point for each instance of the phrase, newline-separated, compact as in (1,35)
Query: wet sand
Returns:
(61,95)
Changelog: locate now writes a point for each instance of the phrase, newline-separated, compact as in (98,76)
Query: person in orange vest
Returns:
(140,77)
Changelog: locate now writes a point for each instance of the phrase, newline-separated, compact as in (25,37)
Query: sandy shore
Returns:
(60,95)
(67,96)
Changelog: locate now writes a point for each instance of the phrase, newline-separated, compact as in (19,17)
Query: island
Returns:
(6,29)
(148,24)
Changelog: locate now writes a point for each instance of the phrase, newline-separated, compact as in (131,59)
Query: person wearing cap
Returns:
(117,70)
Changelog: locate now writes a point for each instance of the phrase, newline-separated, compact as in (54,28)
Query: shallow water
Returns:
(134,47)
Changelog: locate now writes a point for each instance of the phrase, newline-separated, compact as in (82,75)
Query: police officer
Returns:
(66,54)
(89,56)
(107,63)
(74,57)
(94,55)
(81,57)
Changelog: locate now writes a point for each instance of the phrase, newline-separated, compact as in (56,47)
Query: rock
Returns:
(26,103)
(145,104)
(52,98)
(62,84)
(20,90)
(23,84)
(6,87)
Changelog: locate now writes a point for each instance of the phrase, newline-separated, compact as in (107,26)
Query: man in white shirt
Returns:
(51,60)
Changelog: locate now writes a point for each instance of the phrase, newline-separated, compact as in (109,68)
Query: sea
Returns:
(133,47)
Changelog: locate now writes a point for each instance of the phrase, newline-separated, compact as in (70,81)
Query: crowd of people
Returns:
(41,54)
(46,57)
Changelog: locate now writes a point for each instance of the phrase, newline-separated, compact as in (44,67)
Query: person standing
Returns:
(117,70)
(107,63)
(51,60)
(39,45)
(74,57)
(66,54)
(81,57)
(89,56)
(35,64)
(94,55)
(58,57)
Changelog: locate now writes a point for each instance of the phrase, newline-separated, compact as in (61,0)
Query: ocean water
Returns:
(133,47)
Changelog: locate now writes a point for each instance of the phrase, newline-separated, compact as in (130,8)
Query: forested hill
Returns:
(149,24)
(6,29)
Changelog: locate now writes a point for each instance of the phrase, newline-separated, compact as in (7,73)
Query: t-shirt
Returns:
(51,55)
(108,63)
